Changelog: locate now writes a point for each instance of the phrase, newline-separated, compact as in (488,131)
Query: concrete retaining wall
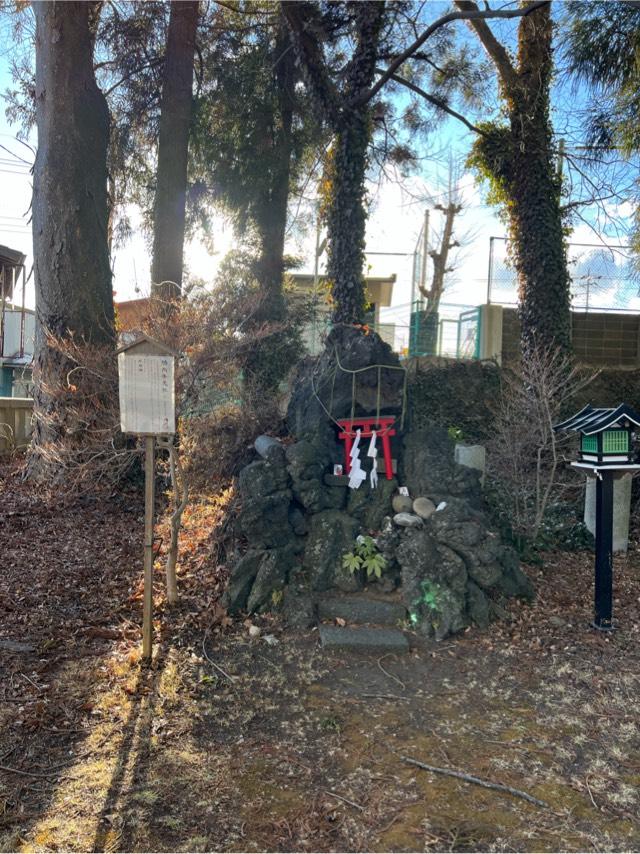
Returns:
(599,339)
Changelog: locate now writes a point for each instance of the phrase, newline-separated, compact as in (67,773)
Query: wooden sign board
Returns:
(147,396)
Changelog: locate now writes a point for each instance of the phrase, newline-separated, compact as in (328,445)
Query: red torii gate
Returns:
(382,426)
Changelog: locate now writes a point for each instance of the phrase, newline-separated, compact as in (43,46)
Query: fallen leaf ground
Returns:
(233,744)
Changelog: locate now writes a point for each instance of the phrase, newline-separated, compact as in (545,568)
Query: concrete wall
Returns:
(600,339)
(15,423)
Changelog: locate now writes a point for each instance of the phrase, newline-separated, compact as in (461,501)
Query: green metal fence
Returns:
(452,331)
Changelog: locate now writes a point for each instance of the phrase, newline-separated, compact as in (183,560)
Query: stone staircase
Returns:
(372,624)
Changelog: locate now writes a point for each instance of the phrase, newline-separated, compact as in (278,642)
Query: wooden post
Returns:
(604,552)
(147,408)
(149,498)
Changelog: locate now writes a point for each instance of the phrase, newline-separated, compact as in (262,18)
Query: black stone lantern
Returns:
(606,452)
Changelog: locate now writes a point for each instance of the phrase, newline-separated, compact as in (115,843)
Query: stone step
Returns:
(361,609)
(362,639)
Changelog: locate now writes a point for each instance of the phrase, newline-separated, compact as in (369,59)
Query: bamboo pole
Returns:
(149,496)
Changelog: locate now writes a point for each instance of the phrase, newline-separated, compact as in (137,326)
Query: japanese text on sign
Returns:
(147,403)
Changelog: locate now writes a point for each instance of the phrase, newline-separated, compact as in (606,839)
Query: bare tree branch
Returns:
(496,51)
(470,14)
(440,103)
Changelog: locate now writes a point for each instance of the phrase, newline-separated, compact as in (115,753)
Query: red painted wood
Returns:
(367,426)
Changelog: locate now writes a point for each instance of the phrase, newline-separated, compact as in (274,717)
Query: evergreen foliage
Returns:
(603,49)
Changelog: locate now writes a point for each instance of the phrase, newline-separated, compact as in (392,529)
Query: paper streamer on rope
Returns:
(356,474)
(373,453)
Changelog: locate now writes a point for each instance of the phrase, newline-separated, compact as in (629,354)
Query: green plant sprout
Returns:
(365,555)
(374,564)
(431,597)
(352,562)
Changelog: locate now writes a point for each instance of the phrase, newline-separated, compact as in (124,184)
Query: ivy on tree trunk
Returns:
(347,110)
(519,159)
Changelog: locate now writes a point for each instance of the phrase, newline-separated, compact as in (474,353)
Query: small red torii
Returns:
(383,427)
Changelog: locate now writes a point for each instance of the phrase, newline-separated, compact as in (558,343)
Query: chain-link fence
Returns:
(452,330)
(603,278)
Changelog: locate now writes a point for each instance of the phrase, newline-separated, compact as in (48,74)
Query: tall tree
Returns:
(253,138)
(441,256)
(520,159)
(252,131)
(347,110)
(70,210)
(344,91)
(173,145)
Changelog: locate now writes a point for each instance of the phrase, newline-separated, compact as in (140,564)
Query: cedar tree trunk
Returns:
(173,145)
(347,210)
(349,116)
(70,209)
(347,217)
(523,164)
(263,366)
(272,222)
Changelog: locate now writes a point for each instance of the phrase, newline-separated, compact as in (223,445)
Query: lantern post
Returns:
(606,452)
(147,410)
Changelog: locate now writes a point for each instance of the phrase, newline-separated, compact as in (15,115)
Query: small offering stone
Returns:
(407,520)
(402,504)
(424,507)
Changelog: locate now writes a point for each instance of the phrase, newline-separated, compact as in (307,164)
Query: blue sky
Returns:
(397,211)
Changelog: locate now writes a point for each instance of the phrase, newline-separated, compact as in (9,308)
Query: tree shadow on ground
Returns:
(132,761)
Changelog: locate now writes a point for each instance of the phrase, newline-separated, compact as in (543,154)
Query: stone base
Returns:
(621,510)
(363,639)
(361,609)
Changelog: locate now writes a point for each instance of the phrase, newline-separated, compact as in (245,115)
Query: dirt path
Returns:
(291,749)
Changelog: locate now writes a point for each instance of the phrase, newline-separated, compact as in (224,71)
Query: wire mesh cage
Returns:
(603,278)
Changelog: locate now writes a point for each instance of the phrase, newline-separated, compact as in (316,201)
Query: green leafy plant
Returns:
(365,555)
(455,434)
(430,598)
(352,562)
(374,565)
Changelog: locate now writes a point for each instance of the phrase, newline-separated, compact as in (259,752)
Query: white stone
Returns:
(473,457)
(621,510)
(263,444)
(407,520)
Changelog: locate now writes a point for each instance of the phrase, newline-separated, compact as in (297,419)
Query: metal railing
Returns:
(453,331)
(603,278)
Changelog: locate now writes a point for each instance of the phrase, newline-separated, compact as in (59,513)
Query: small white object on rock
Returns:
(402,504)
(254,631)
(424,507)
(441,506)
(407,520)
